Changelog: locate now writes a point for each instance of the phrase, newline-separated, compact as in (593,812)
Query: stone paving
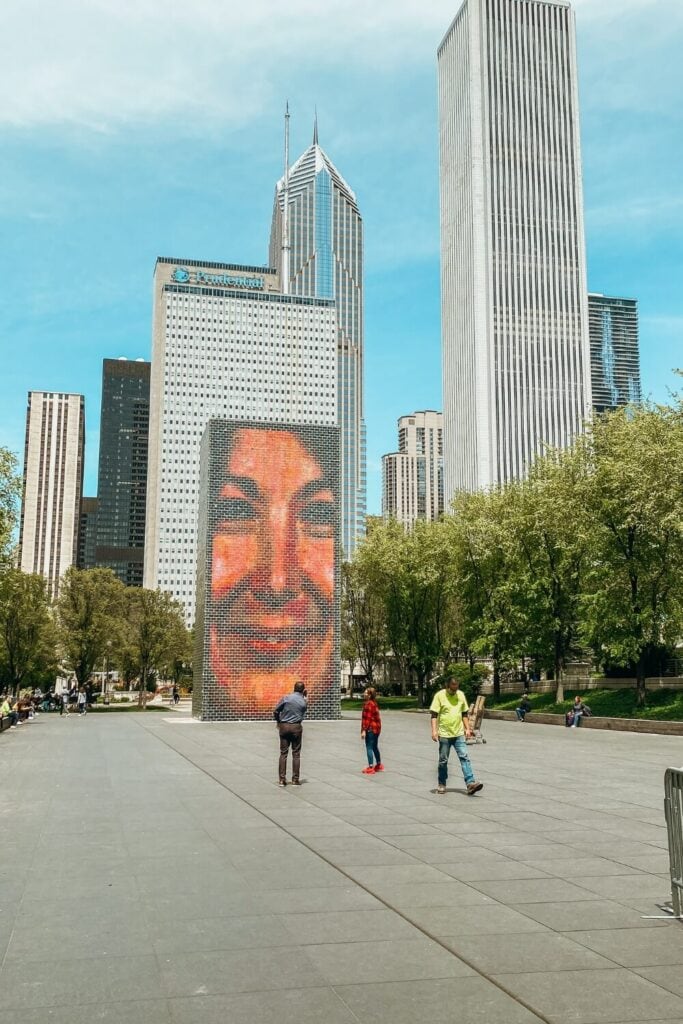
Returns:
(152,871)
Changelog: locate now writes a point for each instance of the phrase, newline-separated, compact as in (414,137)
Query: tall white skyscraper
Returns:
(324,252)
(53,485)
(225,343)
(516,359)
(412,477)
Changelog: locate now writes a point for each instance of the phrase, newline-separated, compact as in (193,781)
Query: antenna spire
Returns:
(284,283)
(315,127)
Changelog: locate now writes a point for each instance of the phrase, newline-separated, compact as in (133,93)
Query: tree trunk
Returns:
(640,683)
(496,674)
(559,674)
(420,689)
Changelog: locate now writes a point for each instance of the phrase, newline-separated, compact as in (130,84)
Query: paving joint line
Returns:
(433,938)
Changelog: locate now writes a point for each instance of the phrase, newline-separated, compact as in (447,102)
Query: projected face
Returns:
(272,568)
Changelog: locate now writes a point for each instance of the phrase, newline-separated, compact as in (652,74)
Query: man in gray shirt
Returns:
(289,714)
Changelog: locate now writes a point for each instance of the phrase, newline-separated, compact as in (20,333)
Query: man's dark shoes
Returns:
(474,787)
(295,782)
(282,782)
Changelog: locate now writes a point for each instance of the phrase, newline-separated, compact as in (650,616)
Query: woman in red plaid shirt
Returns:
(370,728)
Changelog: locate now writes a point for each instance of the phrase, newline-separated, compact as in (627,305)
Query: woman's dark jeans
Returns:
(372,747)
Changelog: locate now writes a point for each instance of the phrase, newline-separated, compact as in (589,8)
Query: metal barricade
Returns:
(673,810)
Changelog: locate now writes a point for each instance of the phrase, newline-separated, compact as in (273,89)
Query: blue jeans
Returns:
(372,747)
(445,744)
(520,712)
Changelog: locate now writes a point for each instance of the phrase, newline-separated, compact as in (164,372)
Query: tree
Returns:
(493,623)
(363,620)
(28,642)
(154,622)
(10,491)
(547,539)
(633,494)
(179,651)
(90,616)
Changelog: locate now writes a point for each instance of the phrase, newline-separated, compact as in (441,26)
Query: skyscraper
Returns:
(53,485)
(516,362)
(87,534)
(225,343)
(615,358)
(122,476)
(324,253)
(412,477)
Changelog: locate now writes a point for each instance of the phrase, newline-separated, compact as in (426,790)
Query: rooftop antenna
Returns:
(315,127)
(284,283)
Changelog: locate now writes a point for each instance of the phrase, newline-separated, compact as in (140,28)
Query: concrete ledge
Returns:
(619,724)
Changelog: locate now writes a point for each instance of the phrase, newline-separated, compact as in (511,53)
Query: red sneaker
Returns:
(379,767)
(368,771)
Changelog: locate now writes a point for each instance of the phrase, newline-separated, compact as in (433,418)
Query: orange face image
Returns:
(272,570)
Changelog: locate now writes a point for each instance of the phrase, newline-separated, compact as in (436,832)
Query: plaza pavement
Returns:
(152,871)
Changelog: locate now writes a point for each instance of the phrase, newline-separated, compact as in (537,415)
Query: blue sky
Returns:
(131,130)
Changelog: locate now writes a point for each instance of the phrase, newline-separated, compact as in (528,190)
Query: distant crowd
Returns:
(26,706)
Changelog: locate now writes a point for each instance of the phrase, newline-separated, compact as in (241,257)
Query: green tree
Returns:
(485,562)
(363,619)
(547,538)
(90,616)
(417,587)
(633,494)
(28,641)
(154,623)
(10,491)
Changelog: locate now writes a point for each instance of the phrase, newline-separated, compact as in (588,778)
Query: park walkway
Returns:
(152,871)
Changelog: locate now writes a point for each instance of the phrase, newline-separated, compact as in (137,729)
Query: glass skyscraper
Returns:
(122,477)
(325,234)
(516,361)
(615,359)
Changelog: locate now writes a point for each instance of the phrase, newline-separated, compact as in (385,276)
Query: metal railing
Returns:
(673,810)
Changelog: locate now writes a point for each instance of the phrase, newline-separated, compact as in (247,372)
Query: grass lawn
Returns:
(388,703)
(663,705)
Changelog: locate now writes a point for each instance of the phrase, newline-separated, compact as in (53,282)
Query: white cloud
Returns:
(100,63)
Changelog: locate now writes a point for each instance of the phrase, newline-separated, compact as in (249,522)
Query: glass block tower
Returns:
(325,261)
(516,359)
(615,359)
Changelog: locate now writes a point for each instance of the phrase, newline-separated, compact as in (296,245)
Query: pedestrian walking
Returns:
(370,728)
(450,728)
(176,695)
(82,699)
(289,714)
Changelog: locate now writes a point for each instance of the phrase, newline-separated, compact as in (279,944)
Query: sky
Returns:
(131,130)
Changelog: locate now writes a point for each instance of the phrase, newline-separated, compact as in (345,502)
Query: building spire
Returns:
(315,127)
(284,273)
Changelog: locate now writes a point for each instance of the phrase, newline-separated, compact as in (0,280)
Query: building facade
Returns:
(412,477)
(87,534)
(226,343)
(516,360)
(615,354)
(122,475)
(54,456)
(325,260)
